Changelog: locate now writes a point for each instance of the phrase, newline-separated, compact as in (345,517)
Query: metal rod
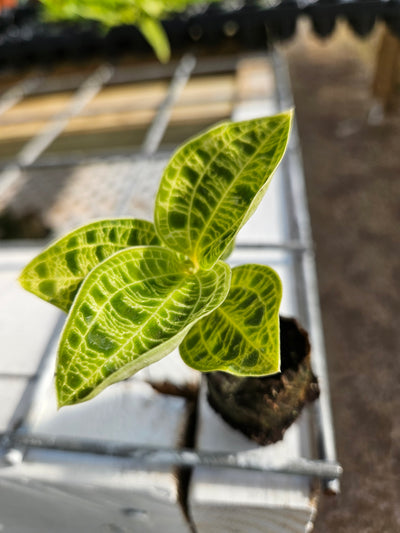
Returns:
(290,246)
(32,398)
(18,91)
(160,122)
(75,160)
(15,375)
(156,457)
(297,183)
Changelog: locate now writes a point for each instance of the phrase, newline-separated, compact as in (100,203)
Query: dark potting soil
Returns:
(28,225)
(264,407)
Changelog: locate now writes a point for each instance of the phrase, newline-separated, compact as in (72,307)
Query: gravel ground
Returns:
(353,178)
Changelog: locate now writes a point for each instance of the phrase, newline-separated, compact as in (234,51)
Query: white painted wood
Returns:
(235,501)
(11,391)
(171,370)
(129,412)
(256,98)
(255,502)
(72,492)
(26,324)
(57,495)
(69,492)
(268,224)
(217,518)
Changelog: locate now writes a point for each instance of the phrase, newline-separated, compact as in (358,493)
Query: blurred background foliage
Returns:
(145,14)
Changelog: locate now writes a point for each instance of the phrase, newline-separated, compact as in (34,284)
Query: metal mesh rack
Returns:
(291,246)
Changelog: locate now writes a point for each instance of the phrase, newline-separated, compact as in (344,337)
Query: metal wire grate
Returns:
(296,245)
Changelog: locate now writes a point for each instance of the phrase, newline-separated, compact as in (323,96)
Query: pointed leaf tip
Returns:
(242,335)
(213,184)
(56,274)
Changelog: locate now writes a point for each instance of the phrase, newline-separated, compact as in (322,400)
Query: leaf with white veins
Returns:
(213,184)
(241,336)
(132,309)
(56,273)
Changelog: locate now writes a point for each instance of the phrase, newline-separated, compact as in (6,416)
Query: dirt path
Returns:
(353,178)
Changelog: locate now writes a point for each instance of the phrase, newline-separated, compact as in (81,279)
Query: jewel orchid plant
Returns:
(134,291)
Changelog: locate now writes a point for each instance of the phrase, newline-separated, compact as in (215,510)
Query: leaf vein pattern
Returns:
(174,312)
(108,300)
(233,183)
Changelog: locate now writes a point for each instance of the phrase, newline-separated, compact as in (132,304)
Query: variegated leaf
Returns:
(132,309)
(56,273)
(241,336)
(214,183)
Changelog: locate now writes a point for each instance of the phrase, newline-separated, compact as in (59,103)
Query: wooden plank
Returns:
(34,108)
(46,497)
(54,491)
(143,117)
(119,121)
(119,107)
(172,372)
(231,501)
(387,69)
(129,412)
(269,223)
(89,492)
(111,121)
(136,96)
(11,391)
(254,79)
(26,321)
(26,324)
(200,113)
(128,96)
(203,89)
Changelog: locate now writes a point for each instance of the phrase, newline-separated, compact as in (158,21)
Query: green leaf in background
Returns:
(214,183)
(146,15)
(56,273)
(241,336)
(132,309)
(154,32)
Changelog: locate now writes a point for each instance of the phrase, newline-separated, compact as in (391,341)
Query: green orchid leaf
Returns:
(56,274)
(242,335)
(214,183)
(145,14)
(132,309)
(228,250)
(155,35)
